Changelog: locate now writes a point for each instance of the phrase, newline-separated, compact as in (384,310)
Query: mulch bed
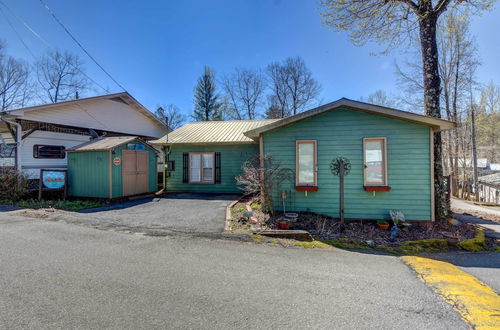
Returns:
(322,227)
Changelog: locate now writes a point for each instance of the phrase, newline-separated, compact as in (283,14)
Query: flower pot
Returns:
(383,226)
(283,225)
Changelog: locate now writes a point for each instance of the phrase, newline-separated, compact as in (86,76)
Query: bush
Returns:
(13,185)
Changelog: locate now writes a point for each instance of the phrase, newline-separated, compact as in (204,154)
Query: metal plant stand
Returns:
(341,167)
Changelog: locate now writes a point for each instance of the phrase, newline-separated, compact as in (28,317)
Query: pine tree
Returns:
(206,100)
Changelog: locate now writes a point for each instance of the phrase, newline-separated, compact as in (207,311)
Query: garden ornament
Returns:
(340,167)
(394,231)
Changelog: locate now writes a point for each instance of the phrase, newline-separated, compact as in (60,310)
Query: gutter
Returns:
(18,138)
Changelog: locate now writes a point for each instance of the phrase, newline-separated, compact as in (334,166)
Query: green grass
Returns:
(69,205)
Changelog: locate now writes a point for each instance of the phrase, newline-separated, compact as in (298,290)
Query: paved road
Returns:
(55,275)
(485,266)
(458,204)
(188,213)
(492,228)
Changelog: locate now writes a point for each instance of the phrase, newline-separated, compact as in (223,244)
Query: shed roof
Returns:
(436,123)
(102,144)
(217,132)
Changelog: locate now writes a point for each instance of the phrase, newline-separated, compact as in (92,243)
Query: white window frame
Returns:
(384,161)
(297,163)
(201,168)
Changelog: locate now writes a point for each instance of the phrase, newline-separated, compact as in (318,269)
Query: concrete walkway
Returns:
(492,228)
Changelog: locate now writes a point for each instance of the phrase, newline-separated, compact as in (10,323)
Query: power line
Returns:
(41,39)
(80,45)
(17,33)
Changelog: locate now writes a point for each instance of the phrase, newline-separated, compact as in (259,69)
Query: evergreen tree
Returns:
(206,100)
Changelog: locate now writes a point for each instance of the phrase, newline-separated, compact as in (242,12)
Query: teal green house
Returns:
(390,153)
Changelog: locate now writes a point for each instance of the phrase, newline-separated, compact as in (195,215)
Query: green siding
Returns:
(88,174)
(232,158)
(341,133)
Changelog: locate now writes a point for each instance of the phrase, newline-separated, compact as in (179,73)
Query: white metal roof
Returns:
(219,132)
(126,115)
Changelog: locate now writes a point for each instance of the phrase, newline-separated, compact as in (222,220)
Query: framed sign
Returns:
(53,180)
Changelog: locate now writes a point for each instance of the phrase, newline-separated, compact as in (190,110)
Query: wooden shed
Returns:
(112,167)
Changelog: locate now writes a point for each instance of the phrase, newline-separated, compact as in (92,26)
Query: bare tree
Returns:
(490,98)
(293,87)
(395,22)
(380,97)
(488,123)
(15,85)
(15,88)
(244,90)
(171,115)
(457,65)
(61,76)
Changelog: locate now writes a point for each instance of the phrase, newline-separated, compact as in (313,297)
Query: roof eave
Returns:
(200,143)
(436,123)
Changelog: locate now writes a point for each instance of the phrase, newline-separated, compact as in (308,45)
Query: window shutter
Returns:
(185,167)
(217,168)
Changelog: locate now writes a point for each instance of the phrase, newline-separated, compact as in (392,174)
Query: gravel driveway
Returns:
(171,213)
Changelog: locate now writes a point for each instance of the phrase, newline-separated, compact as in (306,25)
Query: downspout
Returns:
(18,137)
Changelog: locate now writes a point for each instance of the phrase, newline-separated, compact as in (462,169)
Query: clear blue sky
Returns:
(157,49)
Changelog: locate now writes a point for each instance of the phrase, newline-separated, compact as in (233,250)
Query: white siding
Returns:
(31,165)
(103,114)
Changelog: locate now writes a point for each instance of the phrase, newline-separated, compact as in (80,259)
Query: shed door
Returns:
(134,172)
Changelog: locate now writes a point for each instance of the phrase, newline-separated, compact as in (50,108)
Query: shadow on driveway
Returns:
(183,212)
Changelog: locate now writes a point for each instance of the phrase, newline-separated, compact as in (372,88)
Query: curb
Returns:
(228,213)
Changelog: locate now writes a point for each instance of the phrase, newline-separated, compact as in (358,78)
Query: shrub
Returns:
(13,185)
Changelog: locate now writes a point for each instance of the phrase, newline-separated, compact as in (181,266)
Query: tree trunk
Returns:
(432,90)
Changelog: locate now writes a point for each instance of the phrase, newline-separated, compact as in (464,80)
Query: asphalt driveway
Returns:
(178,213)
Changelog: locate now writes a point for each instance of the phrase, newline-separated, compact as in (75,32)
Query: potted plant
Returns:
(283,224)
(382,224)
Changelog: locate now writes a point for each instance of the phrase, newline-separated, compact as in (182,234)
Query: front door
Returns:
(134,172)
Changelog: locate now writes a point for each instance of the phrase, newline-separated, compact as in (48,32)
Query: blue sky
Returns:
(157,49)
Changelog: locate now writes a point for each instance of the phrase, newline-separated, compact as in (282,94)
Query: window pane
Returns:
(44,151)
(195,165)
(208,164)
(374,158)
(306,163)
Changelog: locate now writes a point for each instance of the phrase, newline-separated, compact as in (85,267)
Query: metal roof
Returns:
(106,143)
(343,103)
(218,132)
(125,97)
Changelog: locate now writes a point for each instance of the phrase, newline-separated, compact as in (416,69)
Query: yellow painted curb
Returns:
(477,303)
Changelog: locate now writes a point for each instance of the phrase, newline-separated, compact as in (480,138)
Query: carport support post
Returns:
(17,135)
